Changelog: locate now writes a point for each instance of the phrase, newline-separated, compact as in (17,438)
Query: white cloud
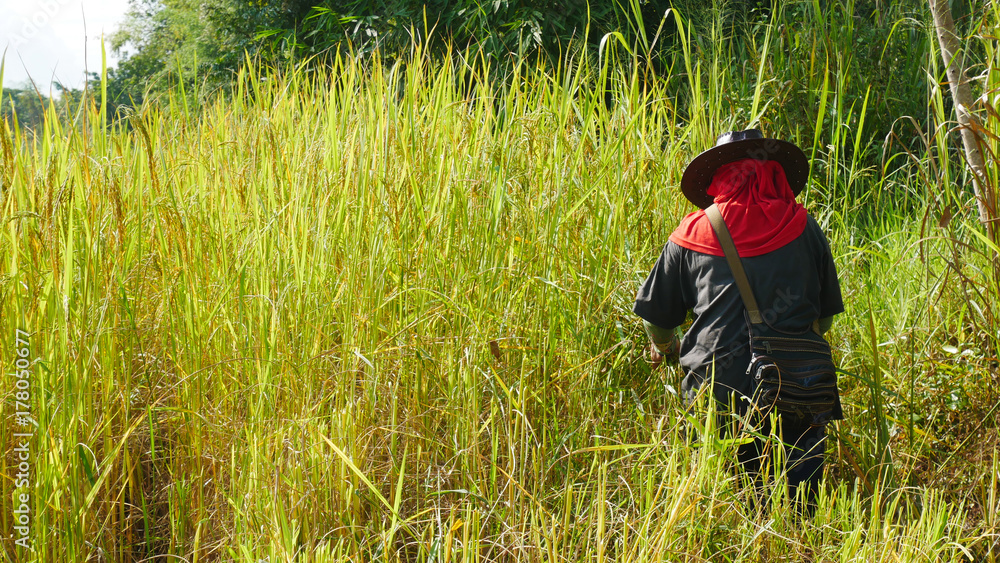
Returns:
(45,39)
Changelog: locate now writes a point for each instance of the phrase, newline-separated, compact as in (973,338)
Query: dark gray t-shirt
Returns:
(794,285)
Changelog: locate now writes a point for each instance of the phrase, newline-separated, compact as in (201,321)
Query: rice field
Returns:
(381,311)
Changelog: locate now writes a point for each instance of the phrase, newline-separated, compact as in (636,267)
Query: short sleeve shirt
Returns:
(795,285)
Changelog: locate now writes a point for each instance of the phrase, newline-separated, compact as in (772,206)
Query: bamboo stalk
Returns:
(968,123)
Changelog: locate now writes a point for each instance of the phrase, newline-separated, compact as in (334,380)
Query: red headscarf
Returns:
(758,205)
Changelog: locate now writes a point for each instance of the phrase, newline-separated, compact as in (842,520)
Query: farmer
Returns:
(753,181)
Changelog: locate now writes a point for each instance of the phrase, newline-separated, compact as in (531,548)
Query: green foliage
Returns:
(500,29)
(164,43)
(380,310)
(24,106)
(265,30)
(366,313)
(27,108)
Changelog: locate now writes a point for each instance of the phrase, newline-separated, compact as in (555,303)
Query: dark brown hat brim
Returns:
(698,175)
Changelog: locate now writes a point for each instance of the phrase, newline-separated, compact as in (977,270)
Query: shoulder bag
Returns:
(793,372)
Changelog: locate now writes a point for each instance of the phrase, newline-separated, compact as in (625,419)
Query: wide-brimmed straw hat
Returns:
(737,145)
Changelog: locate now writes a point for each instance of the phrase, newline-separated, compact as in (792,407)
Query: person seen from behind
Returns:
(752,181)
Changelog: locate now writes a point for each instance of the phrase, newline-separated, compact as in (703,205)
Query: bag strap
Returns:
(739,274)
(733,258)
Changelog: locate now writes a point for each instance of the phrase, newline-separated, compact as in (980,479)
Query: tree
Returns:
(968,123)
(160,41)
(163,41)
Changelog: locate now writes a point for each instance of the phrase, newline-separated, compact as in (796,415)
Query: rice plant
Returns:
(380,311)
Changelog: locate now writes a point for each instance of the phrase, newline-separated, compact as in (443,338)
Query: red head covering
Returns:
(757,204)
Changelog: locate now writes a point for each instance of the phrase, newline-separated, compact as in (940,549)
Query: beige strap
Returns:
(733,258)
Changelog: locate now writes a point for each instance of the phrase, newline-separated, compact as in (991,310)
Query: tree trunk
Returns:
(968,123)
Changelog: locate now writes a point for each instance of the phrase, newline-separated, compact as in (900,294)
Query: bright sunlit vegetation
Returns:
(366,307)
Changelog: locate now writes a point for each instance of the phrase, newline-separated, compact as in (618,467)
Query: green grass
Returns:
(364,314)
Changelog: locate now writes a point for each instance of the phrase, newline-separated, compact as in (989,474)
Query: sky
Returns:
(45,39)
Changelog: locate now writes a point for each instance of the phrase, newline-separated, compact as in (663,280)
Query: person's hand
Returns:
(655,357)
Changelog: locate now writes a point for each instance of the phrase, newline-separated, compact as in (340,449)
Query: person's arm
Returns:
(660,303)
(825,323)
(663,343)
